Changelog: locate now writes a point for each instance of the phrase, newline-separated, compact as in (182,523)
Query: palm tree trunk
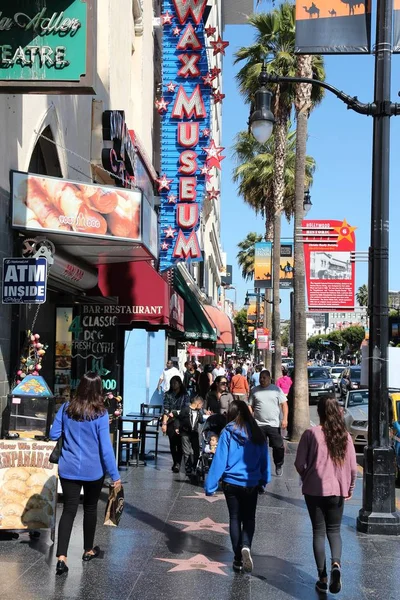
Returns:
(267,323)
(301,411)
(279,194)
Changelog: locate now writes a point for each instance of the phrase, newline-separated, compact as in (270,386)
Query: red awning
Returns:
(195,351)
(224,326)
(143,295)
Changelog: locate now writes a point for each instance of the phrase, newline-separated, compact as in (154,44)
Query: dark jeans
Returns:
(275,440)
(191,449)
(91,493)
(242,504)
(326,514)
(175,443)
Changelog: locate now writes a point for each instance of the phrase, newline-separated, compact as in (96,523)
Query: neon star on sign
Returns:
(219,46)
(218,97)
(171,86)
(162,105)
(345,231)
(214,157)
(169,233)
(166,19)
(164,183)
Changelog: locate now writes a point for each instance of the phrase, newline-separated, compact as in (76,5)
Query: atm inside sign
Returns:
(24,280)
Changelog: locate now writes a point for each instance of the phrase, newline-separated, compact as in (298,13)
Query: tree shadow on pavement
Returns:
(299,503)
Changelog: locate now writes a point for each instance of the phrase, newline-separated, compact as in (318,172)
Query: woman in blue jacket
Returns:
(242,462)
(86,456)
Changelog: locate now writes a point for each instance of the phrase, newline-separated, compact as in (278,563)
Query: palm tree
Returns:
(362,295)
(274,46)
(245,256)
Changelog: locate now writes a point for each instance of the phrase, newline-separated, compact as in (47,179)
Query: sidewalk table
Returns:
(135,419)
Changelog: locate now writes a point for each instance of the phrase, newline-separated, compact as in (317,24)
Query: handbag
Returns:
(115,506)
(56,453)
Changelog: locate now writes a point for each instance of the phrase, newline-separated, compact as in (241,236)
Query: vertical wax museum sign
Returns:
(47,46)
(330,271)
(333,26)
(263,265)
(187,152)
(24,280)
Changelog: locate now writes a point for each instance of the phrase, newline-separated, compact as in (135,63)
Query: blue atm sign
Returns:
(24,280)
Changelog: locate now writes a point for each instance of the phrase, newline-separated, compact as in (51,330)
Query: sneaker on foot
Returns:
(176,468)
(247,560)
(335,584)
(237,566)
(322,587)
(279,471)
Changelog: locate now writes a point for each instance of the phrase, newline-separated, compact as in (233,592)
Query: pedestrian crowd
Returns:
(220,419)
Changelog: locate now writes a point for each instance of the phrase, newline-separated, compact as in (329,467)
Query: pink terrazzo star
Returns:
(203,525)
(196,563)
(202,496)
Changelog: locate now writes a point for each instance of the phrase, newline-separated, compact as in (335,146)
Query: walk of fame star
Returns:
(202,496)
(195,563)
(345,231)
(203,525)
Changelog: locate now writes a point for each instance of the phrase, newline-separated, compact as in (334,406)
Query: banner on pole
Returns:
(330,272)
(286,266)
(333,27)
(263,265)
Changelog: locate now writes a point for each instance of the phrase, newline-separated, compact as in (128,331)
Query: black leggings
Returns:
(91,493)
(175,443)
(242,504)
(326,514)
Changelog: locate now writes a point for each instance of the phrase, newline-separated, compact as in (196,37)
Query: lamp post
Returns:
(307,204)
(378,514)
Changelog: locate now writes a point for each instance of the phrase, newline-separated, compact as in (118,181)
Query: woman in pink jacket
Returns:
(326,463)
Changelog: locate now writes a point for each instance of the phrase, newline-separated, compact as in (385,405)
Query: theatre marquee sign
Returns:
(46,46)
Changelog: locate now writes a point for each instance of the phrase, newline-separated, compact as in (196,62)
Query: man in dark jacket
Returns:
(188,421)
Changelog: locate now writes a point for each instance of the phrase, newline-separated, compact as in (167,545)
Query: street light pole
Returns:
(378,514)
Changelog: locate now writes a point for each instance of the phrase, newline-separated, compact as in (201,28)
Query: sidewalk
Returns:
(173,543)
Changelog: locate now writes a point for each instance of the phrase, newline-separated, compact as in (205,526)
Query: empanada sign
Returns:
(28,485)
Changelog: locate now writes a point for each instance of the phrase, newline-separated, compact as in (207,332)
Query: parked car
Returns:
(336,373)
(350,380)
(355,415)
(319,383)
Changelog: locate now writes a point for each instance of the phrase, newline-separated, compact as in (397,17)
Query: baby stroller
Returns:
(213,425)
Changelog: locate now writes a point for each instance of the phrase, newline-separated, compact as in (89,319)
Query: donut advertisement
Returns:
(28,485)
(71,207)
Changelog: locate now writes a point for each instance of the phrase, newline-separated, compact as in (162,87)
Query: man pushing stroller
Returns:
(187,425)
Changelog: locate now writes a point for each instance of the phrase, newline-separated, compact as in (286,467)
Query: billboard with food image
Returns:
(71,207)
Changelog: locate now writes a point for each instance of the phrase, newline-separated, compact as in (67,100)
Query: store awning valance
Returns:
(197,325)
(224,326)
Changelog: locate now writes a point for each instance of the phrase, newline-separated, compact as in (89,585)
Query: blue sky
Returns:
(340,141)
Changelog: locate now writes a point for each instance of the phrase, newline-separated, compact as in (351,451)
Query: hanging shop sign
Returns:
(263,265)
(120,158)
(24,280)
(47,46)
(188,153)
(71,207)
(286,266)
(333,27)
(330,272)
(226,275)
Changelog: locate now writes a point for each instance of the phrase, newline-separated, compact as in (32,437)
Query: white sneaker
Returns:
(247,560)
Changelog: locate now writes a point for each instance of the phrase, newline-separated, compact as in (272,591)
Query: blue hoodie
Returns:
(238,461)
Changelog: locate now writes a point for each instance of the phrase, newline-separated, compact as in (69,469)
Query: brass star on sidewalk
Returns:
(202,496)
(196,563)
(203,525)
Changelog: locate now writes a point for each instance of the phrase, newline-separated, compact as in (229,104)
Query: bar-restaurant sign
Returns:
(46,46)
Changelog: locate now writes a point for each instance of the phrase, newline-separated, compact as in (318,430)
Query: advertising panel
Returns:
(333,27)
(24,280)
(28,485)
(47,46)
(286,266)
(188,153)
(71,207)
(263,338)
(330,273)
(226,275)
(263,265)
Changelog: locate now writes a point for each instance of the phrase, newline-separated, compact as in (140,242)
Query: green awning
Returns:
(197,326)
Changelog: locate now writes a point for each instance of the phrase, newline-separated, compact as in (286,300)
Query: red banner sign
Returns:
(330,271)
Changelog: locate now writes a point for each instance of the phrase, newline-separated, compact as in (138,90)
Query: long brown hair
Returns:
(87,404)
(239,413)
(334,429)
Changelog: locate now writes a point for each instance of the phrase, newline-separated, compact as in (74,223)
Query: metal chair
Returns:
(153,428)
(129,439)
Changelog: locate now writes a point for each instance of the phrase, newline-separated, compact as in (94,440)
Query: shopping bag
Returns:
(115,506)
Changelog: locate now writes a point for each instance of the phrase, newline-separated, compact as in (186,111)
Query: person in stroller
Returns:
(212,444)
(187,425)
(210,447)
